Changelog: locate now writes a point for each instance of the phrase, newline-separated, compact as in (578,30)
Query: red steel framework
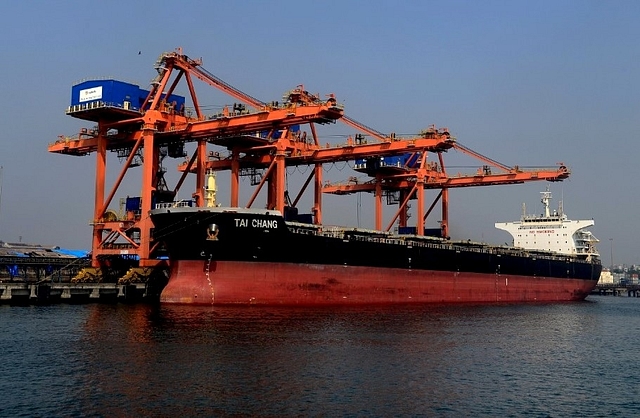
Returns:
(142,134)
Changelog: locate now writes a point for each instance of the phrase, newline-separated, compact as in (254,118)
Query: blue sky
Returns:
(525,83)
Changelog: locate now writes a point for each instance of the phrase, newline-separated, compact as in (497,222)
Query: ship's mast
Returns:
(546,197)
(560,209)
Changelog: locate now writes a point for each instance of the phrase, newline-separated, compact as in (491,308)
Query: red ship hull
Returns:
(269,283)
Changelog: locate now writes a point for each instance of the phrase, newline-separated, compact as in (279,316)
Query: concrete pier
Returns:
(43,293)
(631,290)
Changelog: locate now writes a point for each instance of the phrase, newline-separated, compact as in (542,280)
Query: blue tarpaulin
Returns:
(75,253)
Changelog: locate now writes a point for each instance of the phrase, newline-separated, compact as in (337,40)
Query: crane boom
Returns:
(194,67)
(364,128)
(481,157)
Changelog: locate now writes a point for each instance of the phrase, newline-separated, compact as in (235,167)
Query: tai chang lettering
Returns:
(256,223)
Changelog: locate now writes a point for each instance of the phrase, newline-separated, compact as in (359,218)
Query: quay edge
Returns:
(23,293)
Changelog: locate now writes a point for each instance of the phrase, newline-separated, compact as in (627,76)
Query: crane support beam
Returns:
(307,154)
(402,207)
(364,128)
(253,122)
(262,181)
(481,157)
(451,182)
(178,128)
(181,61)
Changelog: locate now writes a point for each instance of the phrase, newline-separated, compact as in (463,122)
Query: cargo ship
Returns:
(243,255)
(230,255)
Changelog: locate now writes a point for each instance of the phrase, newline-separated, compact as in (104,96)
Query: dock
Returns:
(23,262)
(35,274)
(613,289)
(29,293)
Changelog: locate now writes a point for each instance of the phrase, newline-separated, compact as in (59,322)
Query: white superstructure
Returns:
(551,231)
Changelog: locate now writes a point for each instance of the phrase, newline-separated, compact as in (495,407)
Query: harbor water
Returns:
(121,360)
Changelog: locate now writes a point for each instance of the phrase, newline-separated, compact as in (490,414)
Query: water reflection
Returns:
(403,361)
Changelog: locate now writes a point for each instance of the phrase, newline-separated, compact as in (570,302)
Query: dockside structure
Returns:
(261,140)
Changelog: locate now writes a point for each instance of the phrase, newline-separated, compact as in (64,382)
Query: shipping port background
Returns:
(521,101)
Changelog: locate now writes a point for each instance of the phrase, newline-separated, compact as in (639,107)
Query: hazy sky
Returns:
(529,83)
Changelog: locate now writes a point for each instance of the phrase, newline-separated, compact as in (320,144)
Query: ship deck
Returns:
(374,236)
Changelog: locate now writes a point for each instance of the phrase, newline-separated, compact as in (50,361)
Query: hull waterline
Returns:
(230,282)
(248,256)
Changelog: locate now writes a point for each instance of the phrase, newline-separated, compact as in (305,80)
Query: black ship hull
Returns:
(227,256)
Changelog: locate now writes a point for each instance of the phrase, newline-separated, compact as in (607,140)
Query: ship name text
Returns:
(256,223)
(542,231)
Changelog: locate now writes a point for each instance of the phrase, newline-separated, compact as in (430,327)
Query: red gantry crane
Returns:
(410,176)
(409,180)
(143,127)
(159,126)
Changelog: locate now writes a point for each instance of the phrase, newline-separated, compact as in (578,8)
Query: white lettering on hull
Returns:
(264,223)
(257,223)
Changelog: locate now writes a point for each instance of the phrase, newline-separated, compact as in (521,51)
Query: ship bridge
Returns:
(552,231)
